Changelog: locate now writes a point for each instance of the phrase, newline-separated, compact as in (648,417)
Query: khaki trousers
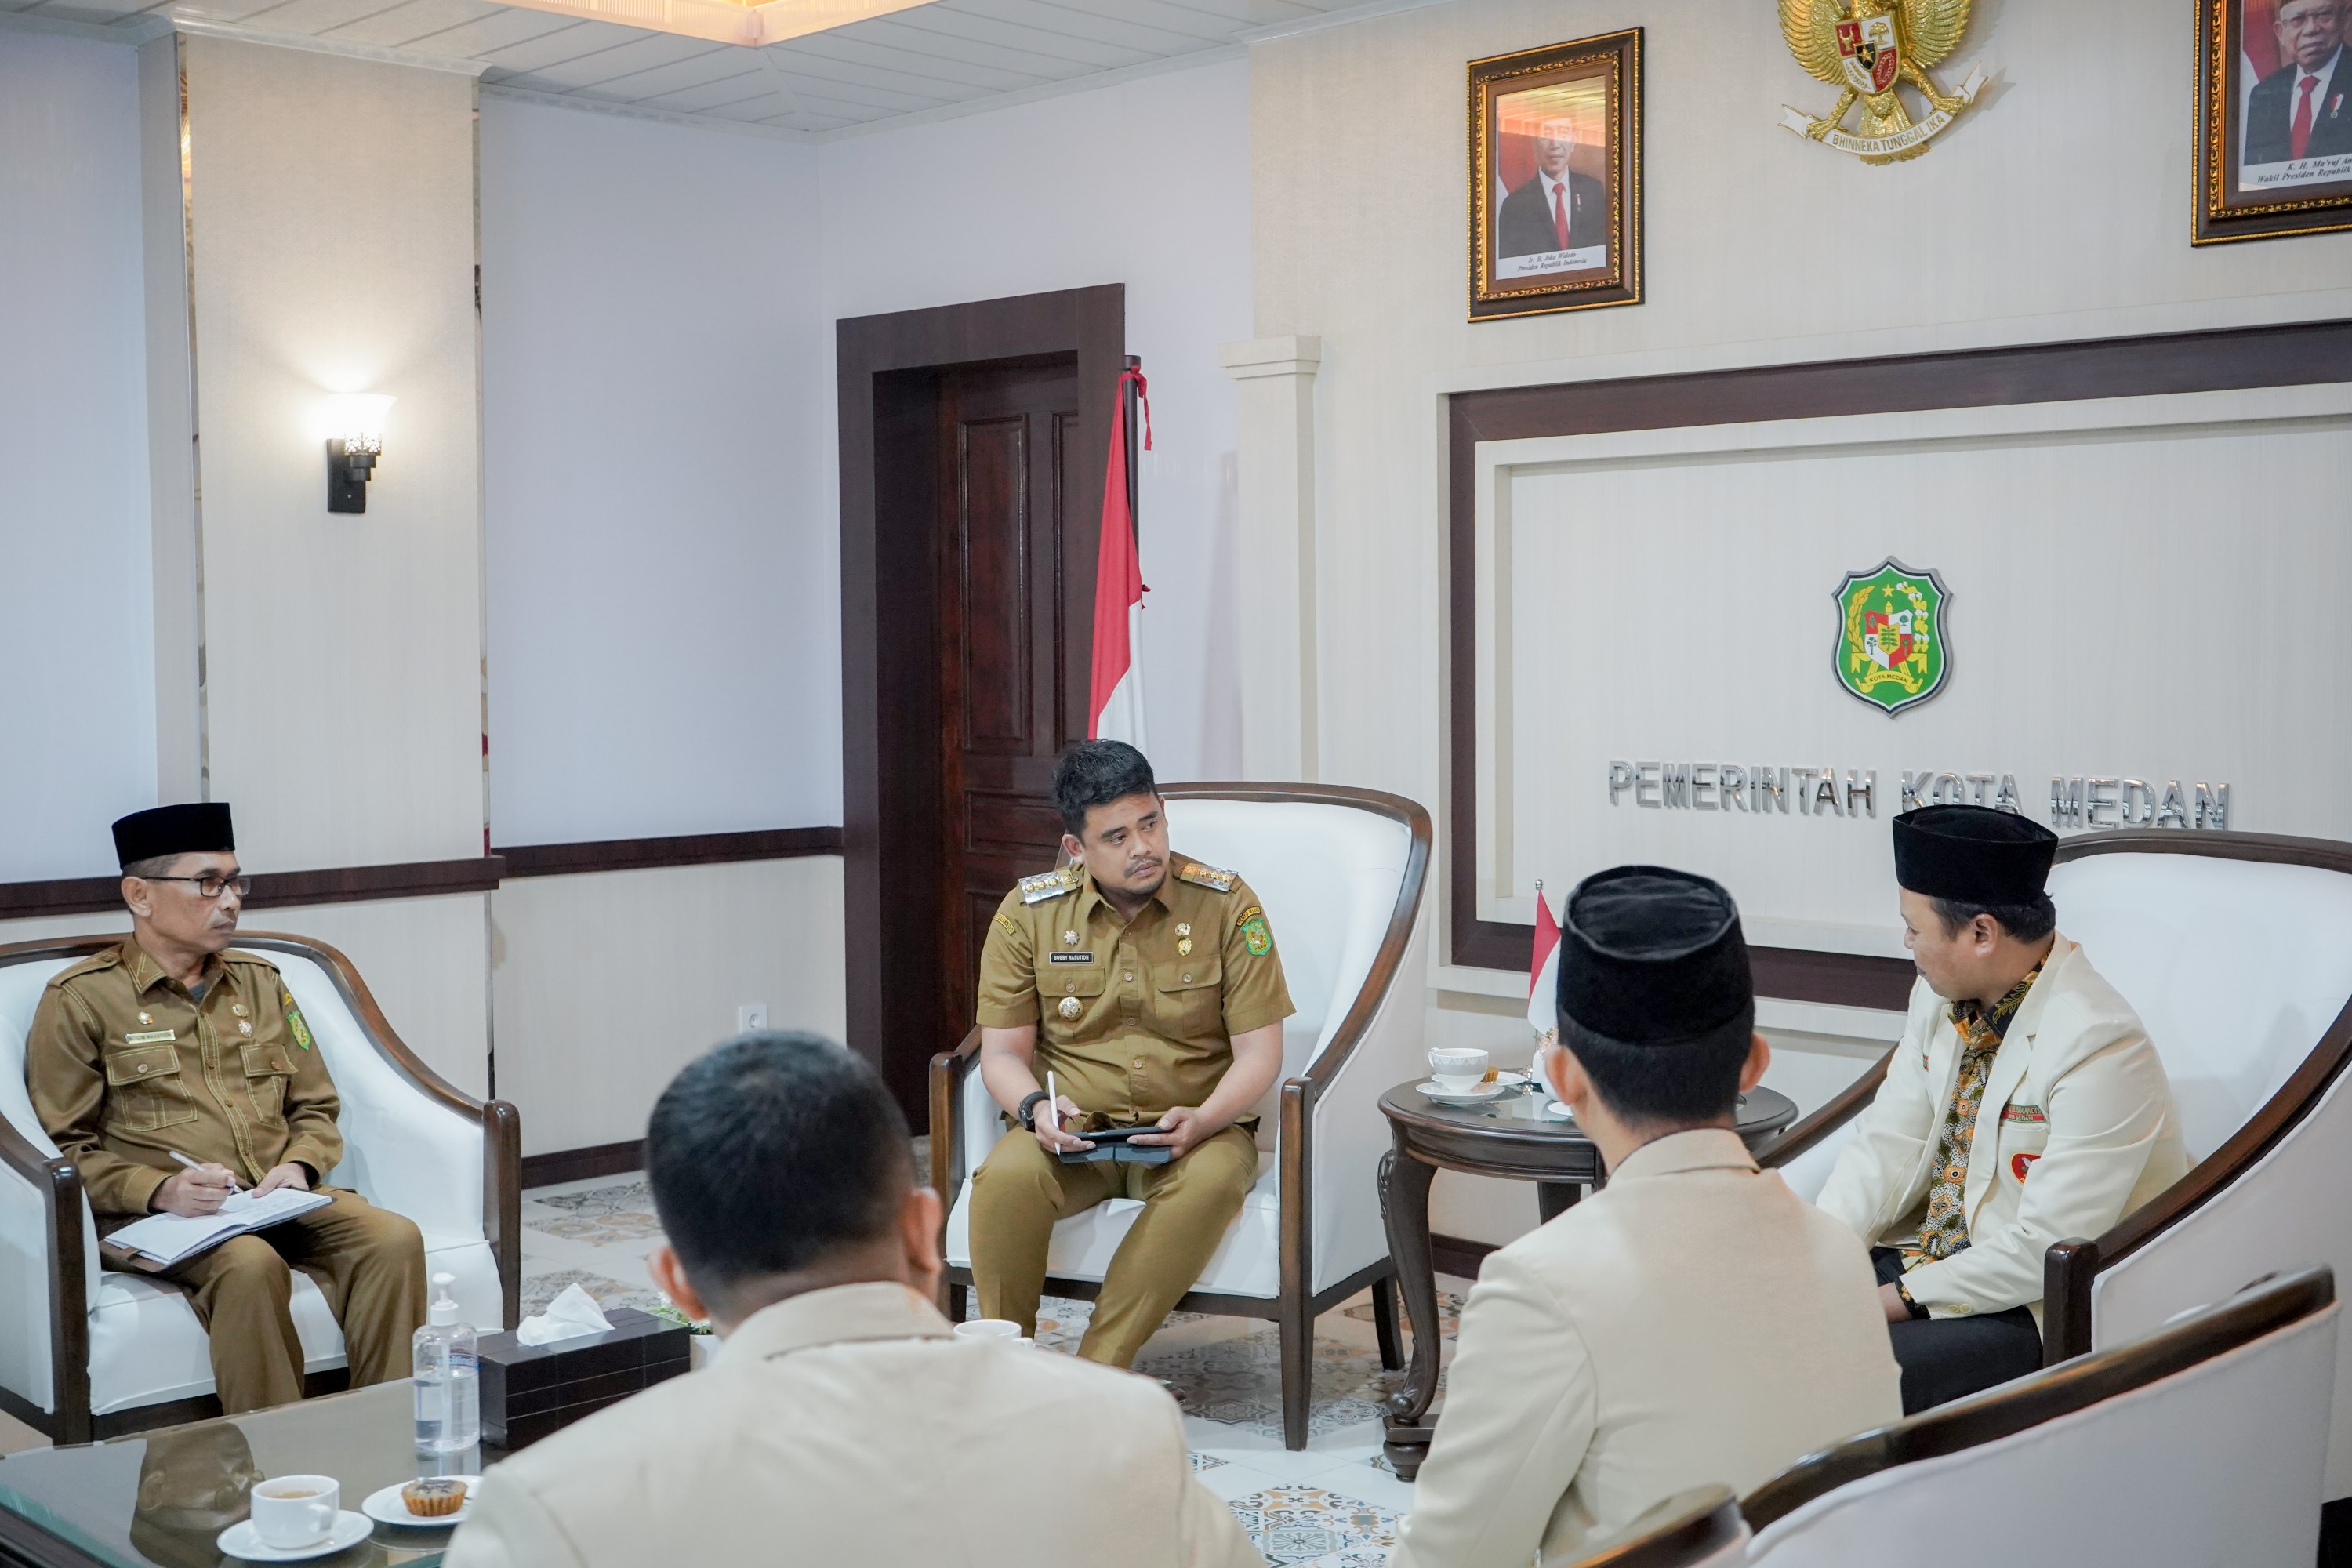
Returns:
(367,1262)
(1020,1192)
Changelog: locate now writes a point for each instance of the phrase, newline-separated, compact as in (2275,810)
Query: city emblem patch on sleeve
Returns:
(1891,649)
(1254,935)
(294,1024)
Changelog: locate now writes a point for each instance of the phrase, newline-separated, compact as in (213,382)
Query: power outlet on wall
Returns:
(750,1018)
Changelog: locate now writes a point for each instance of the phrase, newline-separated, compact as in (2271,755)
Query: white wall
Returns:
(1762,248)
(1146,183)
(343,653)
(76,677)
(664,648)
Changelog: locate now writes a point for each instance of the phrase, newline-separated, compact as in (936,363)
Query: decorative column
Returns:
(1276,553)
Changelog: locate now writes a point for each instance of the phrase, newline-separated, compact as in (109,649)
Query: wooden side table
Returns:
(1512,1135)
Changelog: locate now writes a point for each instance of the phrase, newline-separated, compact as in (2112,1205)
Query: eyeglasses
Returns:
(211,886)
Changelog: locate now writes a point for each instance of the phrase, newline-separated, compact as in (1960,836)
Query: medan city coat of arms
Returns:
(1866,51)
(1891,651)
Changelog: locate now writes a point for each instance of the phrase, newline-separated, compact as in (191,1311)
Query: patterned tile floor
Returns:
(1334,1505)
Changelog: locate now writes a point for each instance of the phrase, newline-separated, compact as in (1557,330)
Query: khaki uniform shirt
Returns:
(125,1067)
(1134,1018)
(849,1425)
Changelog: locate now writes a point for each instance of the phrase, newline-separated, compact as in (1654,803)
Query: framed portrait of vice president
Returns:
(1556,177)
(2273,119)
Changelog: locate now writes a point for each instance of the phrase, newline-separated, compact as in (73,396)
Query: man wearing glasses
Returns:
(173,1071)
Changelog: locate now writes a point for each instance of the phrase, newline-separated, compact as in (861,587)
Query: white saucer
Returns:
(1478,1096)
(241,1539)
(385,1507)
(1560,1109)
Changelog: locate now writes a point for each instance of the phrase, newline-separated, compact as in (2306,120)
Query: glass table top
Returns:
(160,1498)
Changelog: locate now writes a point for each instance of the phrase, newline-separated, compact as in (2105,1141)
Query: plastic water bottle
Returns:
(448,1377)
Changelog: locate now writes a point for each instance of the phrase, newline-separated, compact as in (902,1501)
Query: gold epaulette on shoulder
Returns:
(1208,876)
(1046,885)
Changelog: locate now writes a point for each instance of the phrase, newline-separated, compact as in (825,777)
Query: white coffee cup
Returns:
(1003,1329)
(1458,1069)
(295,1511)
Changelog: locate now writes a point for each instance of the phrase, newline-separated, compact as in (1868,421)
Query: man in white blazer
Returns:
(843,1423)
(2024,1105)
(1694,1321)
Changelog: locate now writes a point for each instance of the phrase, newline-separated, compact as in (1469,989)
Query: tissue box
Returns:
(529,1391)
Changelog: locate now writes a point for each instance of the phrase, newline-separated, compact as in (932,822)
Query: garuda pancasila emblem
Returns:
(1866,50)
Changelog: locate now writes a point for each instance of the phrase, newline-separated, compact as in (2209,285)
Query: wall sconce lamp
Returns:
(357,419)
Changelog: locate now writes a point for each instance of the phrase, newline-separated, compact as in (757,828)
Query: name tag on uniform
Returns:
(151,1037)
(1071,957)
(2023,1113)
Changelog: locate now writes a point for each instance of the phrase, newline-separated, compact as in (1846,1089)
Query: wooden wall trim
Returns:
(335,885)
(425,878)
(1458,1255)
(579,1164)
(647,854)
(2303,353)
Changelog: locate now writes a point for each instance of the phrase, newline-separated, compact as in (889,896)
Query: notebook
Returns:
(163,1239)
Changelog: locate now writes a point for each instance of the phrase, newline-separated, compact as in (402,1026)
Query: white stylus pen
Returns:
(1053,1102)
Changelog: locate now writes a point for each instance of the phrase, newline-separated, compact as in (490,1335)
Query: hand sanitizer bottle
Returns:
(448,1377)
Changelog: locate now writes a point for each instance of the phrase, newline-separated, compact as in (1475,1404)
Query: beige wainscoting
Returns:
(607,982)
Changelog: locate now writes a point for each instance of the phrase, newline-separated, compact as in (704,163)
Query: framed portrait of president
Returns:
(2273,119)
(1556,177)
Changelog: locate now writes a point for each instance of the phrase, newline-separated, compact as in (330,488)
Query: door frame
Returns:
(886,371)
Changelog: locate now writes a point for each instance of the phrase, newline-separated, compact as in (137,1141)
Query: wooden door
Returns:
(1008,451)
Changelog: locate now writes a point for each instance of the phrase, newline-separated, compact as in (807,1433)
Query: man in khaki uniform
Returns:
(1147,985)
(168,1043)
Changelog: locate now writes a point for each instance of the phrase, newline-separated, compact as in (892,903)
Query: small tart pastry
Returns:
(433,1496)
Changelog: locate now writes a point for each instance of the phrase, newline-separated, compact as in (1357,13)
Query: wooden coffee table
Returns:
(1513,1135)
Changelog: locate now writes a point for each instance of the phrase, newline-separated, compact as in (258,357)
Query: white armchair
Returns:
(2235,949)
(1341,872)
(86,1353)
(2196,1445)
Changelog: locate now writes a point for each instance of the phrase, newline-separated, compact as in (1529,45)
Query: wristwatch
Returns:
(1026,1115)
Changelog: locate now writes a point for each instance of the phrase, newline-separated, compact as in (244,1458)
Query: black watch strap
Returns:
(1028,1107)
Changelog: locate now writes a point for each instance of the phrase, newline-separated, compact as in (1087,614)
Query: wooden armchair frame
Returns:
(1296,1308)
(2071,1266)
(1691,1527)
(59,1182)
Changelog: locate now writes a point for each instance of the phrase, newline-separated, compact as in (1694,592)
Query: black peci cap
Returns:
(1654,956)
(199,827)
(1973,854)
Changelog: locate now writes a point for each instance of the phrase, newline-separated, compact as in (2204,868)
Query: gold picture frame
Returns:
(2259,173)
(1555,197)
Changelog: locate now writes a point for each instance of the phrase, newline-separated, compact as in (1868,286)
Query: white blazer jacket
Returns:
(2077,1130)
(1694,1321)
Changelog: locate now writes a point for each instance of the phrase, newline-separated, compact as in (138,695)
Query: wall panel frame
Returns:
(2300,354)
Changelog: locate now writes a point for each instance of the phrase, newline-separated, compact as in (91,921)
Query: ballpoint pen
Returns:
(199,1164)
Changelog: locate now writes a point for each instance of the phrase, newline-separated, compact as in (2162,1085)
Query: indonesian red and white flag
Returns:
(1115,704)
(1543,970)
